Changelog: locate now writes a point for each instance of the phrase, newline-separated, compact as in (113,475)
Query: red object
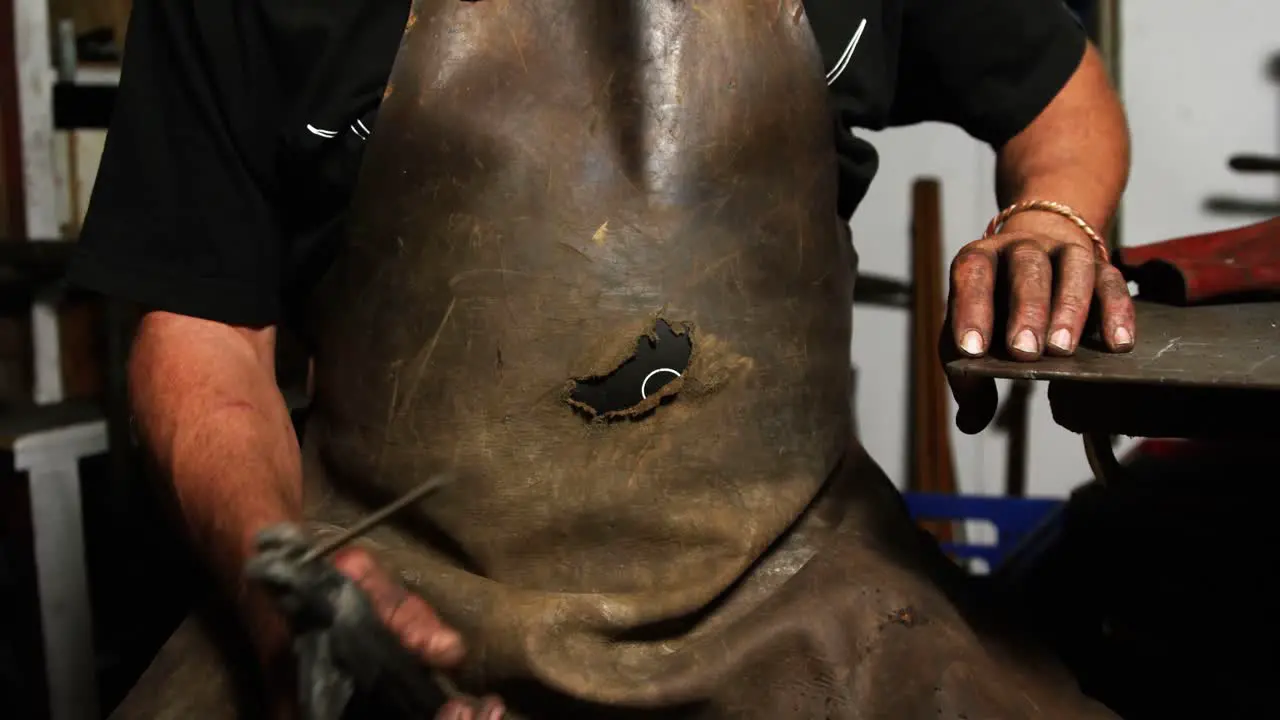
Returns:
(1259,454)
(1169,449)
(1212,266)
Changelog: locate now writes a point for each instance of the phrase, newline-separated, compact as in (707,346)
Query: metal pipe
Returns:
(1102,458)
(432,484)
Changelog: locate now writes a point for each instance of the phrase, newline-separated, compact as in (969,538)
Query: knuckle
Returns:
(1029,291)
(973,263)
(1110,275)
(1031,311)
(1072,307)
(1075,253)
(1035,318)
(452,710)
(1033,282)
(1026,248)
(988,246)
(354,562)
(1114,290)
(431,622)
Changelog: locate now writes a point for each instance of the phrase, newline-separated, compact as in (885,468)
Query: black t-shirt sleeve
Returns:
(988,66)
(181,217)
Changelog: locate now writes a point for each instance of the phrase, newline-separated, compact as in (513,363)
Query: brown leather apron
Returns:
(548,180)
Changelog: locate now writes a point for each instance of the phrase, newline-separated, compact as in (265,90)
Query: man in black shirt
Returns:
(224,199)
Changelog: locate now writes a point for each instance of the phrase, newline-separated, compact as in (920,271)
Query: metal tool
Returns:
(433,483)
(345,653)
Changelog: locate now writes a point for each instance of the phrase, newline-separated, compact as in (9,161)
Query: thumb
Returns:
(976,401)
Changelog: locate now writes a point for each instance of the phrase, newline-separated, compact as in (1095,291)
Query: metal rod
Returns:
(1102,458)
(377,518)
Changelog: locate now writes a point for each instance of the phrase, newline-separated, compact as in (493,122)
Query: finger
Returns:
(976,401)
(1031,288)
(973,280)
(491,708)
(455,710)
(975,396)
(403,612)
(1071,306)
(1119,330)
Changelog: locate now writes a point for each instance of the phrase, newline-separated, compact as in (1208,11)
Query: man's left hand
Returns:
(1051,284)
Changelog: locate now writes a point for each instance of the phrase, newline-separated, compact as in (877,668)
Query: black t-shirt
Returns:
(240,125)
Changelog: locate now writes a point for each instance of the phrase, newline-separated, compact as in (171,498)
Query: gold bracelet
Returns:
(1099,245)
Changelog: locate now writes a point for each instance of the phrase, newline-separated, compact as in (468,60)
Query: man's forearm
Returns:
(233,473)
(1076,152)
(214,421)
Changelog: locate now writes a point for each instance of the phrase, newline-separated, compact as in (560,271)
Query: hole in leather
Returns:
(657,362)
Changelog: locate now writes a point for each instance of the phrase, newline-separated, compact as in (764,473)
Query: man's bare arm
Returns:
(1075,152)
(210,413)
(1077,149)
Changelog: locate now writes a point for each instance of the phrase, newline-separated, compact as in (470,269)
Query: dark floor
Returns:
(1162,590)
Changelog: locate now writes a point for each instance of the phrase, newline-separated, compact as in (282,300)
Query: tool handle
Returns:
(1255,163)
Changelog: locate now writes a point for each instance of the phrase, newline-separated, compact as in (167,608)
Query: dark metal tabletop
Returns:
(1213,346)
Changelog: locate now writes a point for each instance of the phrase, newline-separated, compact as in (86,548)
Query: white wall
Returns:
(1196,88)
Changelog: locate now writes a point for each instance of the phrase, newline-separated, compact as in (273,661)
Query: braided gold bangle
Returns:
(1099,245)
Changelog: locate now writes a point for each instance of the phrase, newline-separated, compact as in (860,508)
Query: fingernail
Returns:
(1025,341)
(971,343)
(1061,339)
(1122,337)
(493,713)
(444,642)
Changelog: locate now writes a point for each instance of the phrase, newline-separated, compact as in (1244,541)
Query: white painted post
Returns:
(51,459)
(34,62)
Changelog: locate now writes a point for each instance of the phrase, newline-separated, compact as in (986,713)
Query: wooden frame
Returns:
(12,216)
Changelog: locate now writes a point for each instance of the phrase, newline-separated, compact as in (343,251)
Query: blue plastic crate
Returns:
(1015,520)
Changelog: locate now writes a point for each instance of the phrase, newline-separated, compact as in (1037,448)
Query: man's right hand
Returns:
(212,418)
(405,613)
(416,625)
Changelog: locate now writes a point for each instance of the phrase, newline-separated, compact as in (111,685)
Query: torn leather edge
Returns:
(617,355)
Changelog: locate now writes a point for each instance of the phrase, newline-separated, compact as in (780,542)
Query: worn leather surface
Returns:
(548,179)
(558,177)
